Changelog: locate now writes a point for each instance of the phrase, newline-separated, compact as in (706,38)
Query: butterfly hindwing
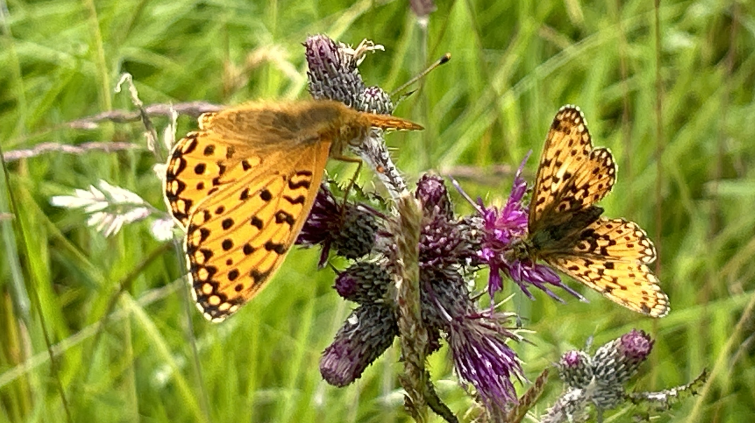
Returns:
(195,167)
(238,237)
(616,238)
(612,257)
(631,285)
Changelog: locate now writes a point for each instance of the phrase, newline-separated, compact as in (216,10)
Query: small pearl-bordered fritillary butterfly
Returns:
(566,229)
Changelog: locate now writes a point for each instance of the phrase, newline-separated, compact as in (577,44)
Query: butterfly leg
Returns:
(353,178)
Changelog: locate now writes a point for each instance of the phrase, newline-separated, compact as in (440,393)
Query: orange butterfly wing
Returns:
(243,185)
(572,175)
(238,237)
(242,209)
(611,256)
(192,170)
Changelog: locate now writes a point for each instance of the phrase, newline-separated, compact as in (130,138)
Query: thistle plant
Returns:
(446,250)
(598,381)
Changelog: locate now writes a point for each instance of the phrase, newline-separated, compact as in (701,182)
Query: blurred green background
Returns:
(677,111)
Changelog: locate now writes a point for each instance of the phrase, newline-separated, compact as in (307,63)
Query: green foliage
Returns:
(685,174)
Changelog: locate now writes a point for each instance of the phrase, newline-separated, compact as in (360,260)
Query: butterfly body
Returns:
(563,235)
(566,229)
(243,185)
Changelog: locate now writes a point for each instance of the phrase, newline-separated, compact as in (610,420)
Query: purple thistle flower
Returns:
(478,339)
(617,361)
(444,241)
(575,368)
(432,193)
(482,358)
(636,345)
(331,75)
(447,246)
(503,241)
(599,380)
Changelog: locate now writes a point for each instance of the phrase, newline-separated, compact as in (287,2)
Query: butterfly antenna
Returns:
(446,57)
(404,96)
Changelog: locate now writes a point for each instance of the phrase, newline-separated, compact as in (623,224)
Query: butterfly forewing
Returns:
(567,146)
(565,230)
(591,182)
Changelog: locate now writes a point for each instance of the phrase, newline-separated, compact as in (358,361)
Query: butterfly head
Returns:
(349,134)
(354,133)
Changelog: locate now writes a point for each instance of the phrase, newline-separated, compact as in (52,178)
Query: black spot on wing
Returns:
(298,200)
(281,217)
(275,247)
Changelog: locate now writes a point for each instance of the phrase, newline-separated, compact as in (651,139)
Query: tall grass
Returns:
(685,174)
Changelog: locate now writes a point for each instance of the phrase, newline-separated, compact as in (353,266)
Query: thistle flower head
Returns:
(504,246)
(364,283)
(575,369)
(598,380)
(478,339)
(375,100)
(619,360)
(635,345)
(331,75)
(366,334)
(334,75)
(444,241)
(433,194)
(348,228)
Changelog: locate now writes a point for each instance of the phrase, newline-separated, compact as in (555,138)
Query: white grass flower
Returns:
(91,200)
(160,169)
(169,134)
(162,228)
(109,207)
